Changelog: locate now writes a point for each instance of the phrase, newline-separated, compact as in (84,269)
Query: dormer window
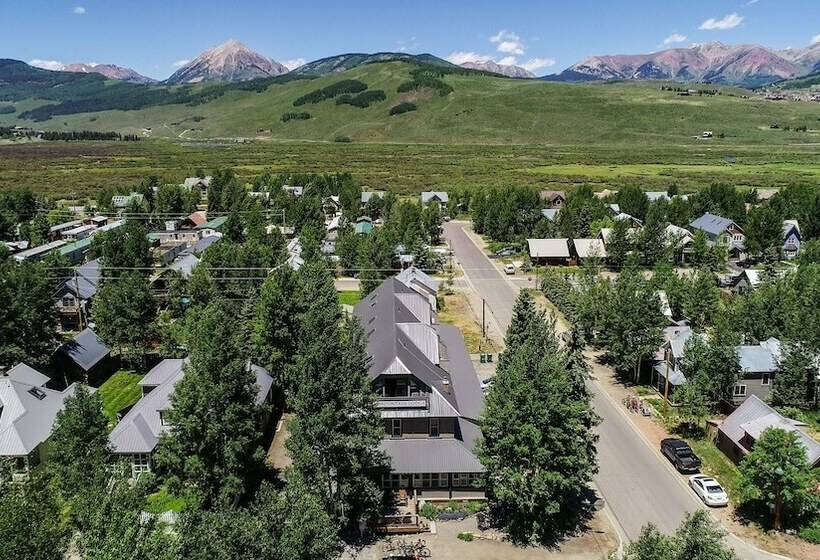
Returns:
(163,418)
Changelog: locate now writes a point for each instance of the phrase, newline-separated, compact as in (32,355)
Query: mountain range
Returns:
(745,65)
(715,62)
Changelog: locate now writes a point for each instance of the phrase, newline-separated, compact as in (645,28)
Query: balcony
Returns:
(403,403)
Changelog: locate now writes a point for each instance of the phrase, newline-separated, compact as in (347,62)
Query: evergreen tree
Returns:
(234,228)
(764,232)
(212,445)
(124,313)
(336,434)
(306,530)
(699,537)
(652,236)
(78,447)
(651,544)
(537,448)
(431,220)
(777,475)
(633,201)
(700,249)
(794,380)
(122,248)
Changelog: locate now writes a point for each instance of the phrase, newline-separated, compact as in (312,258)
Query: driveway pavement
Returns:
(636,483)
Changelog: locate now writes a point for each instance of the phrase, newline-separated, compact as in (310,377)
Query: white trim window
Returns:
(396,431)
(466,480)
(140,463)
(395,480)
(430,480)
(767,379)
(739,390)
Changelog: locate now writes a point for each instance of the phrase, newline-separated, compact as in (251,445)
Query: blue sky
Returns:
(154,36)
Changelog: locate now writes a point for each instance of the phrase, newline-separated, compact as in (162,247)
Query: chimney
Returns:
(446,383)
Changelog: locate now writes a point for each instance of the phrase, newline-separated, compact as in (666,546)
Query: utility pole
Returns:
(79,307)
(483,322)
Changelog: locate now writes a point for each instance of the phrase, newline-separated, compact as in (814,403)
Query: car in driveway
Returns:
(681,455)
(509,269)
(709,490)
(486,385)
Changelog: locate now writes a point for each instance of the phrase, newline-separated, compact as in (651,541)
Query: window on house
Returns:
(68,301)
(140,463)
(396,427)
(395,480)
(466,480)
(766,379)
(163,418)
(739,390)
(430,480)
(434,427)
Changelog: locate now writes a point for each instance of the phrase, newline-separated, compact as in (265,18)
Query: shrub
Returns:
(405,107)
(362,100)
(466,537)
(426,77)
(429,511)
(331,91)
(303,116)
(341,138)
(811,532)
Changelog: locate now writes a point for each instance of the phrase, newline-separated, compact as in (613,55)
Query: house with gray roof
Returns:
(367,195)
(427,391)
(758,364)
(737,434)
(549,251)
(199,185)
(74,296)
(440,197)
(27,412)
(136,436)
(721,230)
(791,239)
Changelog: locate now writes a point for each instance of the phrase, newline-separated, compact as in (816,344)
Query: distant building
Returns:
(549,251)
(38,253)
(791,239)
(121,202)
(367,195)
(556,199)
(722,230)
(293,191)
(85,357)
(198,184)
(439,197)
(550,213)
(73,297)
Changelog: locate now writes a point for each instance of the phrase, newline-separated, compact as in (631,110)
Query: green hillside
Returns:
(481,109)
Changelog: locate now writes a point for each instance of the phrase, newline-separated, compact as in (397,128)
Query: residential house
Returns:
(679,240)
(121,202)
(747,280)
(295,192)
(654,196)
(606,193)
(722,230)
(588,248)
(439,197)
(791,239)
(56,232)
(85,357)
(632,220)
(110,225)
(549,251)
(199,184)
(194,220)
(758,365)
(75,251)
(294,250)
(427,391)
(79,232)
(185,264)
(332,207)
(211,227)
(27,412)
(202,244)
(364,225)
(421,282)
(38,253)
(556,199)
(136,436)
(736,436)
(367,195)
(73,297)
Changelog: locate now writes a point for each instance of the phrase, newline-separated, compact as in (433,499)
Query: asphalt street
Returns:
(634,480)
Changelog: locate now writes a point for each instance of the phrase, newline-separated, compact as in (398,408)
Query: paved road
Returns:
(636,483)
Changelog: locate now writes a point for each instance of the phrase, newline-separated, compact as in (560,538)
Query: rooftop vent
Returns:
(38,393)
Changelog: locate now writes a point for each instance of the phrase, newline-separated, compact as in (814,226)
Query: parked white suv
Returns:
(509,268)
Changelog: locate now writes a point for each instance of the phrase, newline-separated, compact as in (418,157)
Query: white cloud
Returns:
(79,10)
(727,22)
(508,61)
(47,64)
(752,2)
(815,39)
(180,63)
(535,64)
(674,38)
(460,57)
(293,63)
(508,42)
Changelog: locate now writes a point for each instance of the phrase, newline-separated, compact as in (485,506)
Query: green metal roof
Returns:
(216,223)
(75,246)
(364,227)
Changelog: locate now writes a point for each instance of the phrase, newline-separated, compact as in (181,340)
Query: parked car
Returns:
(681,455)
(509,268)
(505,252)
(709,490)
(486,384)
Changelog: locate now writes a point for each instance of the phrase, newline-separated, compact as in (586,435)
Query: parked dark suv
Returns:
(681,455)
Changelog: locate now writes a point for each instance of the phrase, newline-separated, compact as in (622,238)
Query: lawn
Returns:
(119,392)
(456,311)
(162,501)
(349,297)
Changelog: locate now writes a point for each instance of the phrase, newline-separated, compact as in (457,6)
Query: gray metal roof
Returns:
(27,413)
(200,246)
(86,282)
(431,196)
(586,248)
(712,225)
(140,429)
(86,349)
(754,416)
(550,213)
(64,226)
(761,358)
(185,264)
(549,248)
(23,373)
(367,195)
(413,276)
(433,455)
